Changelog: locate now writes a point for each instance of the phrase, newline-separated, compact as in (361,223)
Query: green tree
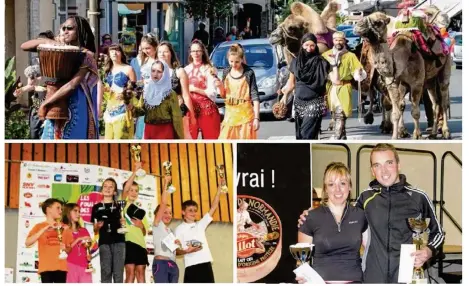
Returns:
(209,9)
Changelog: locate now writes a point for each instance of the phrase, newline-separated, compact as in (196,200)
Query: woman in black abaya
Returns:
(308,76)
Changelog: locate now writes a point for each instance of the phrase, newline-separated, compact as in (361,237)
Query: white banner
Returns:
(72,183)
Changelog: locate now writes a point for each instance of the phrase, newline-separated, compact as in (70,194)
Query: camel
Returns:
(401,70)
(304,19)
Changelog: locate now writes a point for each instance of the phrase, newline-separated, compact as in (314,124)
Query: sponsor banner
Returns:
(272,191)
(74,183)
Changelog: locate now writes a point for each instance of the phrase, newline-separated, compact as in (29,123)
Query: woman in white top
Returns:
(165,269)
(147,56)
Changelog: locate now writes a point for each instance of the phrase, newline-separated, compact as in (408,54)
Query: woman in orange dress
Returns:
(242,100)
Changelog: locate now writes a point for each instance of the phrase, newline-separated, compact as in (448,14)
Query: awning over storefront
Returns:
(369,6)
(130,9)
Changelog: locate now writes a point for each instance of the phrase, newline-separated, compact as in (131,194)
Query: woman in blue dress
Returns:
(81,90)
(119,123)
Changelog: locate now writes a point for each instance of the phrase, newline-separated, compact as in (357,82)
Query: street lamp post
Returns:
(93,15)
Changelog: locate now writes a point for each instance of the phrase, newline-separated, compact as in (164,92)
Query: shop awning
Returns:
(130,9)
(370,5)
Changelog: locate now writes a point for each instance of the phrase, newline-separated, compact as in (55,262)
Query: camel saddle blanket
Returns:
(421,44)
(325,39)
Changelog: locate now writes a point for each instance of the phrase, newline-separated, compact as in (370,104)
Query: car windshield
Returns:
(259,56)
(458,40)
(349,34)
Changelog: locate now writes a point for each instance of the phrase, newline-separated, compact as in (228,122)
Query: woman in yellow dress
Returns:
(242,100)
(118,118)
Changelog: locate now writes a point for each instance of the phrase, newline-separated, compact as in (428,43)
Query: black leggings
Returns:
(308,127)
(199,273)
(54,277)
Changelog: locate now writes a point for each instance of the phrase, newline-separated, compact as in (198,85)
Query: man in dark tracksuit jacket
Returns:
(388,202)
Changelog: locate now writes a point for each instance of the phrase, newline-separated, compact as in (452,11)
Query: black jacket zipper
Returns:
(389,232)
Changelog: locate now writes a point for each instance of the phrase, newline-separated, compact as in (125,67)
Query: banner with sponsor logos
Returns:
(72,183)
(273,189)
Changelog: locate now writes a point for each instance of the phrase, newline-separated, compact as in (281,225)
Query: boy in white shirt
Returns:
(198,265)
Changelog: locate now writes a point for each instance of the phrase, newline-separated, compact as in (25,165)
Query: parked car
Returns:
(262,58)
(457,50)
(343,27)
(352,39)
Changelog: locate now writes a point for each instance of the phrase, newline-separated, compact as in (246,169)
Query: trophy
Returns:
(62,255)
(418,227)
(167,166)
(87,244)
(302,252)
(221,175)
(123,228)
(136,150)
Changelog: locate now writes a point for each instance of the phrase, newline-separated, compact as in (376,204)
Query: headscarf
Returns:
(311,68)
(154,91)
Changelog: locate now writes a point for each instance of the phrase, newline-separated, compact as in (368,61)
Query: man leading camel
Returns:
(345,67)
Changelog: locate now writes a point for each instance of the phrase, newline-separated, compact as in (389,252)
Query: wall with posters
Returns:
(77,183)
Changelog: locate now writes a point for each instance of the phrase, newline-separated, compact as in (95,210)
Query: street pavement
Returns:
(358,130)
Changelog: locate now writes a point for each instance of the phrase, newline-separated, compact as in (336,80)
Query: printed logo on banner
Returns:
(72,179)
(69,169)
(28,186)
(86,203)
(259,244)
(114,174)
(43,196)
(58,178)
(27,204)
(43,186)
(29,176)
(87,180)
(27,195)
(87,170)
(43,177)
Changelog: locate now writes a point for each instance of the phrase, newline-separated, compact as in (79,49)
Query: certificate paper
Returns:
(406,264)
(307,272)
(169,242)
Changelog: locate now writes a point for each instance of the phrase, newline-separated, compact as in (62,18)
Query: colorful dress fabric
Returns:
(83,109)
(119,123)
(239,112)
(205,109)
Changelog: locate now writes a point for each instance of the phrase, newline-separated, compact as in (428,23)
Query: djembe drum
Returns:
(58,66)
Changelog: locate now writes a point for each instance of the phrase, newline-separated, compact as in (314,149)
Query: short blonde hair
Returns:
(332,170)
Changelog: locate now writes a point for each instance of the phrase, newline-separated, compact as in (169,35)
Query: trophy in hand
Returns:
(302,253)
(136,150)
(123,228)
(167,166)
(87,244)
(221,175)
(418,227)
(59,228)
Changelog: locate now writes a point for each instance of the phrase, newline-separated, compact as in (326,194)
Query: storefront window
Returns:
(171,21)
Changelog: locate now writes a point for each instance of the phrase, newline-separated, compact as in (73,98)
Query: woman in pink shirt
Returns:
(77,259)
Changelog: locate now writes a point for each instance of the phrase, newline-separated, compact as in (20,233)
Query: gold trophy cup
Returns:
(167,167)
(87,243)
(123,228)
(136,150)
(418,227)
(221,175)
(62,255)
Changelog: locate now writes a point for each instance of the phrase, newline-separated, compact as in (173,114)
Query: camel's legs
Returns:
(444,79)
(415,95)
(432,94)
(396,114)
